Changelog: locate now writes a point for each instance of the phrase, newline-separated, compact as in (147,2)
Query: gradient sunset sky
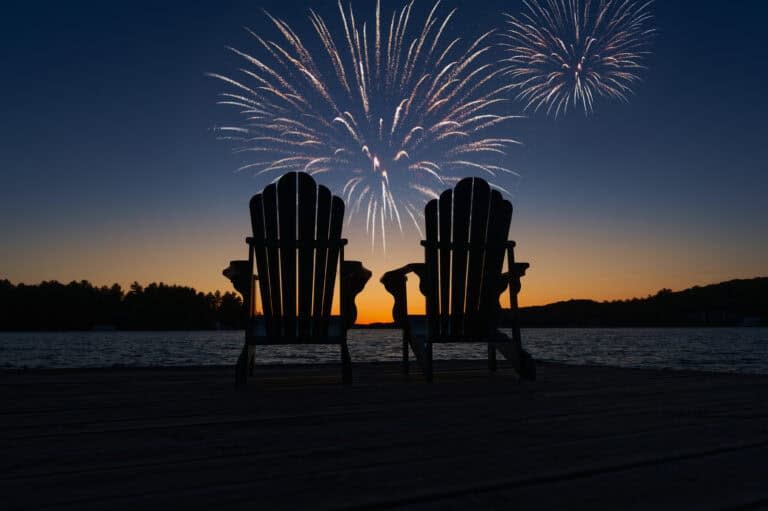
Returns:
(110,170)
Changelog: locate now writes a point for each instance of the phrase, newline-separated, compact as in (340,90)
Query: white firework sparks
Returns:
(565,53)
(396,109)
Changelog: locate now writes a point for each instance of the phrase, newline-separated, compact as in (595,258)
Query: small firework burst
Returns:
(566,53)
(395,108)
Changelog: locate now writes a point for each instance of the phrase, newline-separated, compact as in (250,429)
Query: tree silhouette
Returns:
(51,305)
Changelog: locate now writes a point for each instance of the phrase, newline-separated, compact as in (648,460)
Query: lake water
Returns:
(743,350)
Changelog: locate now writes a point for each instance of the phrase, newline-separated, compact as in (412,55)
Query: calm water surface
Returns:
(742,350)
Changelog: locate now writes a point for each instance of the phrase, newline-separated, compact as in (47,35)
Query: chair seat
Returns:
(418,328)
(256,334)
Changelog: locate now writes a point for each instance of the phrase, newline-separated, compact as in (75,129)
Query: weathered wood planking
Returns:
(602,438)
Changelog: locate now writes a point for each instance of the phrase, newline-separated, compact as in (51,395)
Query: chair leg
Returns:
(522,362)
(428,362)
(346,364)
(528,368)
(251,359)
(241,367)
(491,357)
(405,355)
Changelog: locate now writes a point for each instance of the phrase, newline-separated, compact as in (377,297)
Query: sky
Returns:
(111,171)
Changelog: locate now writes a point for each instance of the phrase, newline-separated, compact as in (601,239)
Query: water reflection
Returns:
(713,349)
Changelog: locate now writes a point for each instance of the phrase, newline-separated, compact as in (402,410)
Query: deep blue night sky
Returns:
(109,169)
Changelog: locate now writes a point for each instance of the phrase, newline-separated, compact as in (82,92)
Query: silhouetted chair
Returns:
(297,249)
(462,278)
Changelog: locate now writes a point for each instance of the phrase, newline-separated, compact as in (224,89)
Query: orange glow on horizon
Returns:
(578,260)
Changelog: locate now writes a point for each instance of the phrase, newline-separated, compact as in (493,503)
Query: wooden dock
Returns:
(580,437)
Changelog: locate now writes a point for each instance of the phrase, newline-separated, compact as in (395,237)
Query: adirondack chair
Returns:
(297,249)
(462,279)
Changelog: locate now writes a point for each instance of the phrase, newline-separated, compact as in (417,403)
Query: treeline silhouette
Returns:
(82,306)
(732,303)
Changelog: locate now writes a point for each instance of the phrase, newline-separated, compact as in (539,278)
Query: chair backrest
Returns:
(466,238)
(297,247)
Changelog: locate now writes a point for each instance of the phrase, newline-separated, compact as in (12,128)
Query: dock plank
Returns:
(595,437)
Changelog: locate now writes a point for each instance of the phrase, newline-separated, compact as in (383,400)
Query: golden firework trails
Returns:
(397,110)
(564,53)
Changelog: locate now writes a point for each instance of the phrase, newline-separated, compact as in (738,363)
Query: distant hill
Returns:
(732,303)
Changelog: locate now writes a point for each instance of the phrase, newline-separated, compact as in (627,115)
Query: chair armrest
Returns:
(401,273)
(239,273)
(511,280)
(394,282)
(354,277)
(518,271)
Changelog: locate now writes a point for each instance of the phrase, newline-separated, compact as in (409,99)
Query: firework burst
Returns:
(396,108)
(565,53)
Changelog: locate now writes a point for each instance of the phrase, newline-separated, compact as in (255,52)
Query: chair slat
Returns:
(446,225)
(307,192)
(481,194)
(321,255)
(270,229)
(498,231)
(462,197)
(260,254)
(430,258)
(334,234)
(286,191)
